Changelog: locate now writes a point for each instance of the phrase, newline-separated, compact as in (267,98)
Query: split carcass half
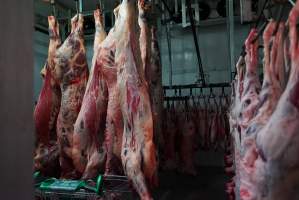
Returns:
(87,153)
(72,72)
(235,111)
(138,148)
(114,121)
(46,110)
(151,60)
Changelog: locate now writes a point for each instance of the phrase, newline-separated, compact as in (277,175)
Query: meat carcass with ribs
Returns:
(138,148)
(249,99)
(46,110)
(278,142)
(72,72)
(87,153)
(269,96)
(252,86)
(235,111)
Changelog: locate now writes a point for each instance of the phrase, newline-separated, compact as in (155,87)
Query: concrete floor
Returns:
(208,185)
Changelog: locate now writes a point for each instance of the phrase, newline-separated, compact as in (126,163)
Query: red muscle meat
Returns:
(88,154)
(46,110)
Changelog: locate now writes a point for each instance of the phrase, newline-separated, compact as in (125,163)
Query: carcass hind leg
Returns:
(67,168)
(95,164)
(293,31)
(150,164)
(79,154)
(132,167)
(109,140)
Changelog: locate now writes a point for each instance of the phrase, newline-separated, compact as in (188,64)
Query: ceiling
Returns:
(89,4)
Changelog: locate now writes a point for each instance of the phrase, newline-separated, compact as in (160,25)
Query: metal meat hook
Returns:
(77,8)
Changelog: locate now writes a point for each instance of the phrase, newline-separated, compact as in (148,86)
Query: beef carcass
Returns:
(278,142)
(114,121)
(249,99)
(150,54)
(87,153)
(187,150)
(204,128)
(235,111)
(72,72)
(156,89)
(223,129)
(269,96)
(213,126)
(46,110)
(169,153)
(138,149)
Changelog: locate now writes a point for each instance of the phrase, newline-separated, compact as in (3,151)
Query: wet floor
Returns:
(208,185)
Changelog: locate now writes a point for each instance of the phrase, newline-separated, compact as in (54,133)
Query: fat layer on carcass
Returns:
(278,142)
(234,120)
(138,149)
(114,121)
(269,96)
(252,86)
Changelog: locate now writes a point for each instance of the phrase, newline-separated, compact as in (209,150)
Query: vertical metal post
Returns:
(69,14)
(168,37)
(201,75)
(163,13)
(53,8)
(231,35)
(80,6)
(184,14)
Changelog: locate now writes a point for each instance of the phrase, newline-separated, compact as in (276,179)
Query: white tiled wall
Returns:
(213,44)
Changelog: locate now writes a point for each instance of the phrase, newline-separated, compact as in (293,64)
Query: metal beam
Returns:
(231,35)
(80,6)
(168,37)
(200,68)
(194,86)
